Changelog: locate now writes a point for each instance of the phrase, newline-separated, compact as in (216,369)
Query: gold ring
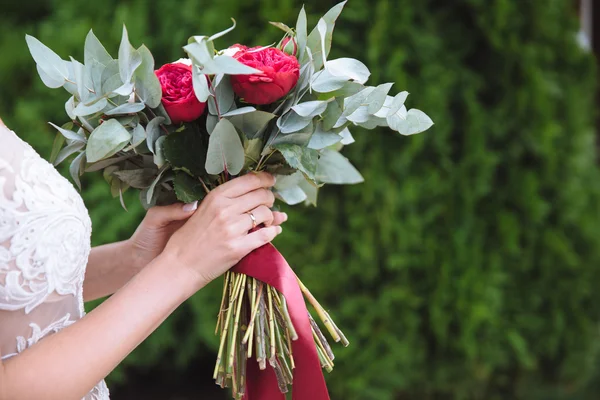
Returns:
(253,218)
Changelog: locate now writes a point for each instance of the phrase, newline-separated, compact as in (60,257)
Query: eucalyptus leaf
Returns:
(225,150)
(124,90)
(322,29)
(147,84)
(111,78)
(348,68)
(332,113)
(161,112)
(78,71)
(48,80)
(301,33)
(150,190)
(95,51)
(335,168)
(127,108)
(211,122)
(239,111)
(291,196)
(97,166)
(282,26)
(300,158)
(397,103)
(292,122)
(346,137)
(106,140)
(48,61)
(67,151)
(224,97)
(377,97)
(222,33)
(76,168)
(137,178)
(251,123)
(301,137)
(82,110)
(129,58)
(315,37)
(59,141)
(284,182)
(323,138)
(153,132)
(416,121)
(73,136)
(159,157)
(200,84)
(69,107)
(252,150)
(310,109)
(138,135)
(323,82)
(310,190)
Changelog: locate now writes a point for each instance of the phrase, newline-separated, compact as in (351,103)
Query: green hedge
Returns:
(466,267)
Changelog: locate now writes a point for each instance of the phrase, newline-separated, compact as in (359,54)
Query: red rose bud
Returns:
(289,46)
(178,95)
(280,73)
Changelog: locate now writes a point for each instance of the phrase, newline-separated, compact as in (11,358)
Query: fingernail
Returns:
(190,206)
(279,229)
(285,216)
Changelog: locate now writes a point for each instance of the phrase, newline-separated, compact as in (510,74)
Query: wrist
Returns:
(181,274)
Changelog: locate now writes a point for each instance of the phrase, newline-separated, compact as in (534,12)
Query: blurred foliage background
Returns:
(467,265)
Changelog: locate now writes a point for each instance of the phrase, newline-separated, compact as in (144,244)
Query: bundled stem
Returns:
(254,320)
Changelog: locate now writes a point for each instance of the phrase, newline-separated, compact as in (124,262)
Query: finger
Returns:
(163,215)
(252,200)
(262,215)
(247,183)
(279,217)
(259,238)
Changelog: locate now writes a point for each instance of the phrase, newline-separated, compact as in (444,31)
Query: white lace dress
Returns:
(45,234)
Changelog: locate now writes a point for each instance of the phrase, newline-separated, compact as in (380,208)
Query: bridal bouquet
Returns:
(176,132)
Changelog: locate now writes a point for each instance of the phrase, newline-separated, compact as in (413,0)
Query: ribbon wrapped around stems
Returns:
(266,264)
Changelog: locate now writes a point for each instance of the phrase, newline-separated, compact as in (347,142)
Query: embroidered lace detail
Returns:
(45,235)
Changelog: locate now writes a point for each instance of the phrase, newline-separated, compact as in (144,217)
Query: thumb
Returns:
(164,215)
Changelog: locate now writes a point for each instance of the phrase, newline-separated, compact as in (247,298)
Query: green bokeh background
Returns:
(467,265)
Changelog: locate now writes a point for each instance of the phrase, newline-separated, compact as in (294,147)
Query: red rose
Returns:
(178,95)
(280,75)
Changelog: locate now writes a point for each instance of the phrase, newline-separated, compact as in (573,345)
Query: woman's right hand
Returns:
(217,236)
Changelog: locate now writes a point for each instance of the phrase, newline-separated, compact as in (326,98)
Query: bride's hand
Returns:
(216,237)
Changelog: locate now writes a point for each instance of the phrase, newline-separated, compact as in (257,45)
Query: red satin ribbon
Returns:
(268,265)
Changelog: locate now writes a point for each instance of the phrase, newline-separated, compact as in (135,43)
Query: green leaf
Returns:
(335,168)
(239,111)
(415,121)
(77,137)
(324,82)
(186,150)
(111,78)
(95,51)
(349,69)
(301,137)
(161,112)
(153,132)
(68,151)
(315,37)
(106,140)
(150,196)
(147,85)
(129,58)
(222,33)
(332,113)
(76,168)
(159,157)
(70,106)
(377,97)
(251,123)
(49,81)
(292,122)
(97,166)
(82,110)
(300,158)
(322,138)
(311,191)
(200,84)
(225,150)
(397,103)
(310,109)
(224,97)
(346,137)
(127,108)
(252,150)
(282,26)
(138,135)
(48,61)
(301,33)
(59,141)
(187,188)
(137,178)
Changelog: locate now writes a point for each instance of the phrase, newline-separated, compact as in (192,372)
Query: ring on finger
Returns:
(253,218)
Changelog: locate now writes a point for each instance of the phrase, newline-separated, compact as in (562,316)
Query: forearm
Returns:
(68,364)
(110,266)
